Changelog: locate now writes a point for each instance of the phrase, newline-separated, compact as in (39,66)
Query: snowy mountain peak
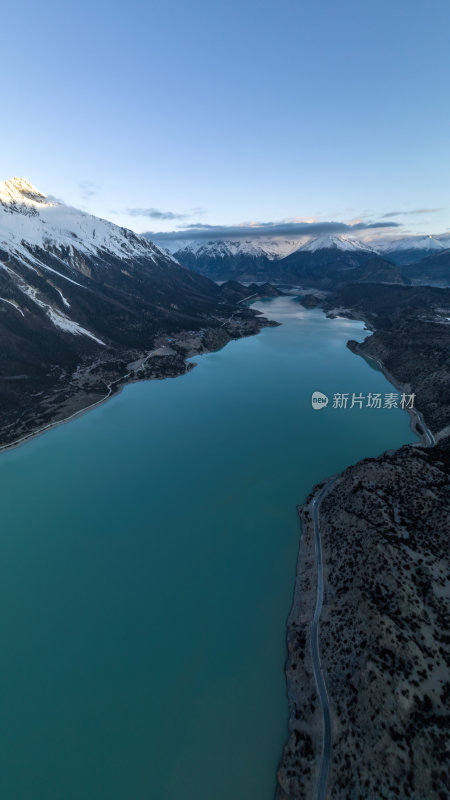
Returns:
(19,190)
(30,220)
(426,243)
(330,241)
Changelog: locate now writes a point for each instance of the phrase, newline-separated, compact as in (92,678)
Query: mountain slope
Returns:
(75,290)
(54,258)
(432,270)
(332,261)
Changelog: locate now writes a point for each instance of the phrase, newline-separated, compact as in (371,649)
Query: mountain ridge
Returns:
(202,254)
(322,262)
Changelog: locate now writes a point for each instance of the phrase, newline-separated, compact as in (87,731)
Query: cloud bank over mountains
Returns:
(155,213)
(253,230)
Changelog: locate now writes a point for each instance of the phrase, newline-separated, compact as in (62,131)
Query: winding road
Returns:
(314,644)
(430,440)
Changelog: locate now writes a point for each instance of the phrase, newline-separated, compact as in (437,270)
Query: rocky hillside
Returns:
(225,259)
(330,268)
(432,270)
(383,634)
(411,339)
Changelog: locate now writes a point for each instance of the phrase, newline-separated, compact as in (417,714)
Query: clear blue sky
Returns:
(231,111)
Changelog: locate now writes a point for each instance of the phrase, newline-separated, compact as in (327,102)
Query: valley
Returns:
(88,307)
(225,401)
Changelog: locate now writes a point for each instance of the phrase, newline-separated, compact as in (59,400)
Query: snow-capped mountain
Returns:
(330,260)
(421,243)
(43,237)
(55,258)
(260,247)
(241,259)
(75,288)
(411,249)
(30,220)
(235,257)
(283,260)
(331,241)
(276,248)
(261,258)
(326,260)
(222,249)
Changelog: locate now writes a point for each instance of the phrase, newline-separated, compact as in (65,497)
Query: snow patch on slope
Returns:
(56,317)
(13,304)
(59,320)
(64,299)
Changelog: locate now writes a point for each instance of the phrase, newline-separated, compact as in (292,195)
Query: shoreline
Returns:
(381,650)
(303,771)
(416,417)
(306,673)
(83,410)
(125,380)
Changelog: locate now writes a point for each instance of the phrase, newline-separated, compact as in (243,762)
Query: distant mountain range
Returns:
(270,247)
(413,249)
(326,261)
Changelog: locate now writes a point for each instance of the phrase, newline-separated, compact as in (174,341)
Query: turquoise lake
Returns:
(147,562)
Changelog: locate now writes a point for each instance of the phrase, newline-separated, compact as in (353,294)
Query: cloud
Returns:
(154,213)
(416,211)
(194,212)
(88,189)
(266,229)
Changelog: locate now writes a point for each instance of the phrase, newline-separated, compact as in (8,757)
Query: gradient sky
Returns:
(230,112)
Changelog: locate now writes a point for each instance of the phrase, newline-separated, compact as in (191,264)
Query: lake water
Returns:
(147,563)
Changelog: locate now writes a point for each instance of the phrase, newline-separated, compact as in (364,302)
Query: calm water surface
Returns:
(147,563)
